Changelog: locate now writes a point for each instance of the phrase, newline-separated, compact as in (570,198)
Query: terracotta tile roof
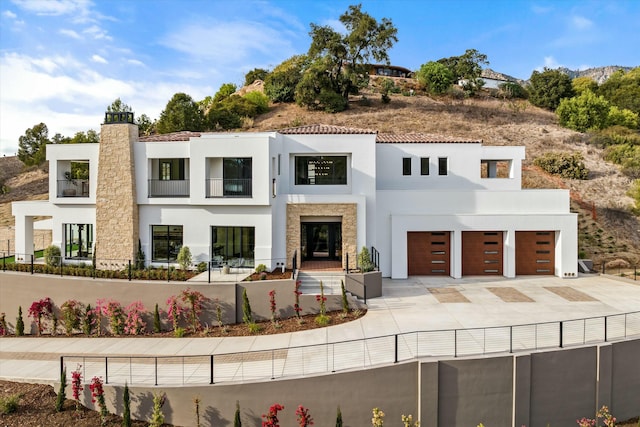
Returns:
(169,137)
(391,138)
(321,129)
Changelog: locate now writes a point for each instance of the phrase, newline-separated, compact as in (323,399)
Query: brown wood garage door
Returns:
(481,253)
(428,253)
(535,252)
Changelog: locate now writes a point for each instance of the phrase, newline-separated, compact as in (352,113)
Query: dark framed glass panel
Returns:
(424,166)
(443,165)
(166,241)
(237,176)
(234,246)
(321,170)
(78,240)
(406,166)
(171,169)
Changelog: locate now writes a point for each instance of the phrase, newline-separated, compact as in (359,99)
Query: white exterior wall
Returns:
(507,211)
(61,155)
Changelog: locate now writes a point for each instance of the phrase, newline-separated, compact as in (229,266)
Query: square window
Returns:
(424,166)
(443,166)
(406,166)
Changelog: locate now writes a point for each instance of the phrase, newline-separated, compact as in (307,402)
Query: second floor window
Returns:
(321,170)
(171,169)
(406,166)
(443,166)
(424,166)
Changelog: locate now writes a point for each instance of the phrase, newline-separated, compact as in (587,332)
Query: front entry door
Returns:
(321,241)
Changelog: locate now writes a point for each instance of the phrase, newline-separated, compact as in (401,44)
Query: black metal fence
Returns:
(353,354)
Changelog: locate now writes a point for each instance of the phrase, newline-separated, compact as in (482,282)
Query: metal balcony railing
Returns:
(169,188)
(73,188)
(220,187)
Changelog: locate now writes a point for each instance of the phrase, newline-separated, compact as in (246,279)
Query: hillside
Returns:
(607,229)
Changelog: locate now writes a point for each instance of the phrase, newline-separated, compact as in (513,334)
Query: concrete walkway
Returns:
(407,306)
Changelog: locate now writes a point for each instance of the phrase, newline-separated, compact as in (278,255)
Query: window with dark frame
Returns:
(233,245)
(424,166)
(406,166)
(321,170)
(443,166)
(166,241)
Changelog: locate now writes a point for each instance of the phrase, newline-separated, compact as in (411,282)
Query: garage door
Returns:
(428,253)
(481,253)
(535,252)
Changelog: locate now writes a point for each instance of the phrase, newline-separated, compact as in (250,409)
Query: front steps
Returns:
(310,282)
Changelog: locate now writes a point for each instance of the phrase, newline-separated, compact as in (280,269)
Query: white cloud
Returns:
(52,7)
(9,14)
(99,59)
(97,33)
(227,41)
(135,62)
(541,10)
(581,23)
(549,62)
(70,33)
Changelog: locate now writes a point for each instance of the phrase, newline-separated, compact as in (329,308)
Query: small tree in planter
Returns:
(364,260)
(19,323)
(157,326)
(236,418)
(196,303)
(40,310)
(140,258)
(184,257)
(60,398)
(126,407)
(247,314)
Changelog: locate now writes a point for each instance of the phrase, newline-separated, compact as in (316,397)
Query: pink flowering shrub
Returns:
(271,419)
(41,310)
(76,386)
(604,414)
(196,302)
(114,311)
(303,417)
(135,324)
(98,312)
(97,395)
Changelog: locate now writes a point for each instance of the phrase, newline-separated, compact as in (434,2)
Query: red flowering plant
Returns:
(41,310)
(174,313)
(303,417)
(272,305)
(135,324)
(297,293)
(97,395)
(76,386)
(271,419)
(322,319)
(196,303)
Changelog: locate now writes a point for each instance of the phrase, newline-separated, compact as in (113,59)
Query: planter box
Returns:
(364,285)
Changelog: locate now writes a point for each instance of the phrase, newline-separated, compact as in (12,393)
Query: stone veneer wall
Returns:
(347,211)
(117,219)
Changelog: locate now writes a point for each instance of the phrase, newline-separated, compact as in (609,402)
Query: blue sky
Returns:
(62,62)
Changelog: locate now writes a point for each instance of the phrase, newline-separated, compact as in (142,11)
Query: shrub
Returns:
(339,418)
(627,156)
(584,112)
(76,386)
(196,303)
(157,417)
(52,255)
(156,320)
(436,77)
(126,407)
(202,267)
(88,320)
(272,305)
(97,395)
(117,317)
(236,418)
(39,310)
(303,417)
(331,102)
(184,257)
(345,301)
(615,135)
(261,268)
(378,418)
(3,325)
(622,117)
(566,165)
(174,313)
(260,100)
(72,311)
(135,324)
(297,293)
(271,418)
(364,260)
(62,395)
(512,90)
(322,319)
(140,258)
(19,323)
(9,404)
(247,315)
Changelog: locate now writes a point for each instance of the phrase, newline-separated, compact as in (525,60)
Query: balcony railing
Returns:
(73,188)
(169,188)
(219,187)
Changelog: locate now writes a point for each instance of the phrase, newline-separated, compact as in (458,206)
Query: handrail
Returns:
(366,352)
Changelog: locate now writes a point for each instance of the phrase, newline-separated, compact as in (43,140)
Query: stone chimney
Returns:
(117,219)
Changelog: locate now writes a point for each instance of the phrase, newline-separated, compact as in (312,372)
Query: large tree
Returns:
(549,87)
(435,76)
(467,66)
(280,84)
(32,145)
(181,113)
(118,106)
(343,58)
(623,89)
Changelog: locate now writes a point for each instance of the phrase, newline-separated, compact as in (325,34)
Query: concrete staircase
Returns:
(311,282)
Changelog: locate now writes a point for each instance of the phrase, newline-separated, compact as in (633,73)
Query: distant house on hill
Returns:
(493,79)
(385,70)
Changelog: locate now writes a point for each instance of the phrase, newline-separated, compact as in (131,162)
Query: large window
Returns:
(78,240)
(321,170)
(166,242)
(233,246)
(236,172)
(171,169)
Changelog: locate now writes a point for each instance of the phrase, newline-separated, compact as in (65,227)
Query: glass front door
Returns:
(321,241)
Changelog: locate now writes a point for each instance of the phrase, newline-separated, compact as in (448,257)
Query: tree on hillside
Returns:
(342,58)
(280,84)
(255,74)
(60,139)
(91,136)
(145,125)
(467,69)
(548,88)
(435,76)
(181,113)
(623,89)
(225,91)
(32,145)
(582,84)
(584,112)
(118,106)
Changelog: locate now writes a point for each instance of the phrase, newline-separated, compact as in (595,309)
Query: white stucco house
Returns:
(429,205)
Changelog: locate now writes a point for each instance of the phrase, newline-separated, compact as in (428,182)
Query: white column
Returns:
(24,237)
(456,254)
